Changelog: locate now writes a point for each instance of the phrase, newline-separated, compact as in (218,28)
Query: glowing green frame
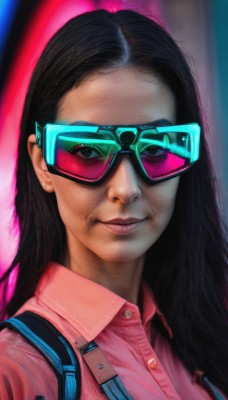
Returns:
(125,139)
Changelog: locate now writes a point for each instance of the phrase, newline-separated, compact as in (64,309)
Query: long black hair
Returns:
(186,267)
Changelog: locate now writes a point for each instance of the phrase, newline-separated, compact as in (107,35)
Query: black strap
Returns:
(59,353)
(42,335)
(55,348)
(115,390)
(102,370)
(212,390)
(200,377)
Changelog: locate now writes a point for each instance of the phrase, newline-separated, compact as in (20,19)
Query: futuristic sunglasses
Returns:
(89,153)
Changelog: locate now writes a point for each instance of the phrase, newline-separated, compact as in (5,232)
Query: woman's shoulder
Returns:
(23,371)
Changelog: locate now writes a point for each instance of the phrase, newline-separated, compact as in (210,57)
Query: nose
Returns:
(124,185)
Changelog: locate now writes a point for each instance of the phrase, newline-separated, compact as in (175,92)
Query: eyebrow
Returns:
(158,122)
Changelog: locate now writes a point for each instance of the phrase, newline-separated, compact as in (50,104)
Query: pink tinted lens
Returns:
(84,163)
(167,164)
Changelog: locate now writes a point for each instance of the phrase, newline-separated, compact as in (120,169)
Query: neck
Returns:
(122,278)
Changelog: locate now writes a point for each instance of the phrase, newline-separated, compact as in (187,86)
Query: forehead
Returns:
(118,96)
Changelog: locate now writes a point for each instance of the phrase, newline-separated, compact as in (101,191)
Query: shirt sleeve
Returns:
(24,373)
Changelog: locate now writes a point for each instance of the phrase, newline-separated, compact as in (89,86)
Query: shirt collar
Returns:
(85,304)
(148,309)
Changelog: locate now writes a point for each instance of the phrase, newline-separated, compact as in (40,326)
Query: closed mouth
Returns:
(123,227)
(121,221)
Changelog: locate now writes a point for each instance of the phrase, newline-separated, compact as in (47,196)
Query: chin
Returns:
(122,257)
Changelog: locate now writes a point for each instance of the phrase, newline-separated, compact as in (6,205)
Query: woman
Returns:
(121,239)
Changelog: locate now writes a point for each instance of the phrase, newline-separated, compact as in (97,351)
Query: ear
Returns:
(39,165)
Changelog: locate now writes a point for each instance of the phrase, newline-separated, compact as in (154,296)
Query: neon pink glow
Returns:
(94,168)
(164,167)
(74,165)
(48,18)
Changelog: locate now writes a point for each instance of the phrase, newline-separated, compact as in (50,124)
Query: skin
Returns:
(96,248)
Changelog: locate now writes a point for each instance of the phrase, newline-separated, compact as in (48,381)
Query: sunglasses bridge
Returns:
(127,137)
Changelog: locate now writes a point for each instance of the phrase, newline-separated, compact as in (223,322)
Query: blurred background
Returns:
(199,26)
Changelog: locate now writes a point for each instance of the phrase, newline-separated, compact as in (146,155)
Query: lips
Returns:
(123,226)
(122,221)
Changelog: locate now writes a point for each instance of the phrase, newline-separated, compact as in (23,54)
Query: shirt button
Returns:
(127,314)
(152,363)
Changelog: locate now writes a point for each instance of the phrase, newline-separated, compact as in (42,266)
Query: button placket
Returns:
(152,362)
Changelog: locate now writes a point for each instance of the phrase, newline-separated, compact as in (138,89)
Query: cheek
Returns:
(162,198)
(67,208)
(75,201)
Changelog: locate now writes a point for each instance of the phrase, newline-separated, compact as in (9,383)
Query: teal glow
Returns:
(194,132)
(173,148)
(51,132)
(144,142)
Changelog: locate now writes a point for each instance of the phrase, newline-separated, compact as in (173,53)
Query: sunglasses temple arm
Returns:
(39,134)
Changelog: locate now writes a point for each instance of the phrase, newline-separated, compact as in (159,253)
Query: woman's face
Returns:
(119,220)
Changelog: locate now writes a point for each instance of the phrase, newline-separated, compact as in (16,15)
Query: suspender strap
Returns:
(58,352)
(114,389)
(54,347)
(203,380)
(102,370)
(211,389)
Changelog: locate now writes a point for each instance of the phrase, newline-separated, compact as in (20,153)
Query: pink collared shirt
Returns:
(80,307)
